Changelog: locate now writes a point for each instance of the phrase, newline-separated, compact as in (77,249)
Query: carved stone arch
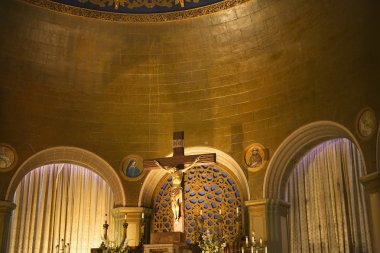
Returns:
(294,147)
(154,177)
(72,155)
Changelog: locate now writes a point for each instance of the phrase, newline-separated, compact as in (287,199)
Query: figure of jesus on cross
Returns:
(176,167)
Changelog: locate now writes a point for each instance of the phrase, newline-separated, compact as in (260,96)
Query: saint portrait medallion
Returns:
(366,123)
(132,167)
(255,157)
(8,157)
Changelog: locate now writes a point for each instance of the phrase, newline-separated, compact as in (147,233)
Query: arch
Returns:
(154,177)
(295,146)
(73,155)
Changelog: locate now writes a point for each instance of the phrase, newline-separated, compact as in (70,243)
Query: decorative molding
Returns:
(132,18)
(154,177)
(72,155)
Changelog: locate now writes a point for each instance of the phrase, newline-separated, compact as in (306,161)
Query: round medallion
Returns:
(255,157)
(366,123)
(8,157)
(132,167)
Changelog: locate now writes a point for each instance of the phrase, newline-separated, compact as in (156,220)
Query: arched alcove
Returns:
(296,146)
(72,155)
(222,158)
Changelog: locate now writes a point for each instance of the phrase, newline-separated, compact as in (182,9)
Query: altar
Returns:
(167,242)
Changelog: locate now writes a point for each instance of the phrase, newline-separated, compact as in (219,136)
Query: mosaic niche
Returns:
(208,190)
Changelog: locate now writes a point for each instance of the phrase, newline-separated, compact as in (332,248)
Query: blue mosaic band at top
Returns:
(138,6)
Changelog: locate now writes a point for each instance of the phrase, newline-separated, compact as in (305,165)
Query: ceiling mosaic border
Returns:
(129,17)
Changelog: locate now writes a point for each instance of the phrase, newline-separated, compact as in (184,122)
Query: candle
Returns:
(220,211)
(261,242)
(246,241)
(257,251)
(142,215)
(266,249)
(125,216)
(200,212)
(242,249)
(237,210)
(253,237)
(251,249)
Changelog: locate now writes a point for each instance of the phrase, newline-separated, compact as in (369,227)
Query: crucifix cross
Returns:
(178,160)
(175,165)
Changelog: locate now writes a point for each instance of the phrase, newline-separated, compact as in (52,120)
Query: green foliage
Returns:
(214,243)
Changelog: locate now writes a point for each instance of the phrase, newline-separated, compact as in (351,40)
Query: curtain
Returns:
(59,201)
(328,207)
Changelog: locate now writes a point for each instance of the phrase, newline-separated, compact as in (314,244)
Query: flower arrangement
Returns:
(212,243)
(112,247)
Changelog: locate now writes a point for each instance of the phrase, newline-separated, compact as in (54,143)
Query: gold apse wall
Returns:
(252,73)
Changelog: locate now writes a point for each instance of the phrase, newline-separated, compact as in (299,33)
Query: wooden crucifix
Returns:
(177,165)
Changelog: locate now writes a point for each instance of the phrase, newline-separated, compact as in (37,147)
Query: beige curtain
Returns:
(59,201)
(328,207)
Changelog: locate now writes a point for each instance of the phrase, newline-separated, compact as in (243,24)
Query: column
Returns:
(269,220)
(137,219)
(371,184)
(6,208)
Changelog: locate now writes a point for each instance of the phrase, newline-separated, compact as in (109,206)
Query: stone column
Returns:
(371,184)
(269,220)
(136,217)
(6,208)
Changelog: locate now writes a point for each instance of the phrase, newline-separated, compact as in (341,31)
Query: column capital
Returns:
(267,202)
(7,206)
(371,182)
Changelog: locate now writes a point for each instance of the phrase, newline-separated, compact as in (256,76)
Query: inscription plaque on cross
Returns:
(177,165)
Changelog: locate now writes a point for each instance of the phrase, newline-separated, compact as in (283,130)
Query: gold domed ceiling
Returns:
(137,10)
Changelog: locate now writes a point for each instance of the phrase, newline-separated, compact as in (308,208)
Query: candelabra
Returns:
(237,243)
(142,229)
(125,228)
(62,247)
(254,246)
(105,234)
(111,246)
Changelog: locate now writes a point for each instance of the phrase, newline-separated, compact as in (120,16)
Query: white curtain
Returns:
(59,201)
(328,208)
